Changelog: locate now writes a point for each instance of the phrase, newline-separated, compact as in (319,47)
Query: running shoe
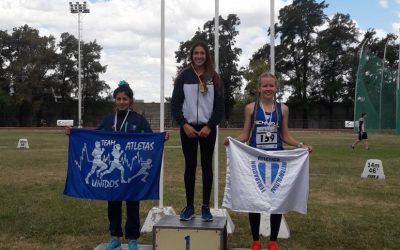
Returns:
(113,244)
(187,213)
(272,245)
(205,213)
(256,245)
(132,245)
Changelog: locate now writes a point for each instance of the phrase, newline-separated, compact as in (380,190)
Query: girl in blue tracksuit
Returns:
(266,127)
(198,107)
(126,120)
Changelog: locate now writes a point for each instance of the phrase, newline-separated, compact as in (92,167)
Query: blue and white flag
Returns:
(262,181)
(107,165)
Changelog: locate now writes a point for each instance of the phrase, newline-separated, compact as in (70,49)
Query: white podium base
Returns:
(230,227)
(154,215)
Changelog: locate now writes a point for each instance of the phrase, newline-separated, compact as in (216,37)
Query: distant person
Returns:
(266,127)
(362,134)
(198,107)
(126,120)
(43,123)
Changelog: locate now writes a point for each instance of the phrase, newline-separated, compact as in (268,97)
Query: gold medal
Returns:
(202,87)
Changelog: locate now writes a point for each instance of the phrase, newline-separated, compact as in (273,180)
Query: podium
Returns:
(172,233)
(124,247)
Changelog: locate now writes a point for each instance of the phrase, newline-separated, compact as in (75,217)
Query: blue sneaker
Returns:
(113,244)
(132,245)
(205,213)
(187,213)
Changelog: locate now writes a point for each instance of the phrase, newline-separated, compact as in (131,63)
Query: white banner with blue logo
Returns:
(262,181)
(107,165)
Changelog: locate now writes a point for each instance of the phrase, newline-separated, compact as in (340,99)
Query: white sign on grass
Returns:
(65,123)
(350,124)
(23,143)
(373,169)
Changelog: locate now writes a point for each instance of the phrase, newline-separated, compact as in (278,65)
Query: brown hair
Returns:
(209,71)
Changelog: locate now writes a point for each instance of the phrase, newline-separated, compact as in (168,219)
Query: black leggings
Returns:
(275,223)
(132,225)
(189,147)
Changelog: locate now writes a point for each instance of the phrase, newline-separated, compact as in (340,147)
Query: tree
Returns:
(32,58)
(5,55)
(92,86)
(37,77)
(251,73)
(65,75)
(297,31)
(229,55)
(336,49)
(91,68)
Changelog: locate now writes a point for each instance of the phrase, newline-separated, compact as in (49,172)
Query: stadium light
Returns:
(272,36)
(78,8)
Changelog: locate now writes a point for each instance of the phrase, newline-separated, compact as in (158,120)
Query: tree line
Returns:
(316,57)
(38,76)
(316,62)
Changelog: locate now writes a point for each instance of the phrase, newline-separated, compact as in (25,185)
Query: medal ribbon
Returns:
(122,124)
(202,85)
(270,117)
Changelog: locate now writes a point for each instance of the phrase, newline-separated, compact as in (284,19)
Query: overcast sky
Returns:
(129,30)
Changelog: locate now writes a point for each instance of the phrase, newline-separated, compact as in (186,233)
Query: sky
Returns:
(129,30)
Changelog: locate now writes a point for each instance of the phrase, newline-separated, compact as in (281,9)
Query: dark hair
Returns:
(209,71)
(363,114)
(123,87)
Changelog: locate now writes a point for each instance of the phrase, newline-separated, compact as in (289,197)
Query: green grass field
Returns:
(344,210)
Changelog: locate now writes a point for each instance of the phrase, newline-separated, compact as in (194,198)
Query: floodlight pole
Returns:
(216,59)
(216,211)
(78,8)
(272,37)
(162,79)
(157,213)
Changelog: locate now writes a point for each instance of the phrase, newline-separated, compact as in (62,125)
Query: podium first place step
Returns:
(172,233)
